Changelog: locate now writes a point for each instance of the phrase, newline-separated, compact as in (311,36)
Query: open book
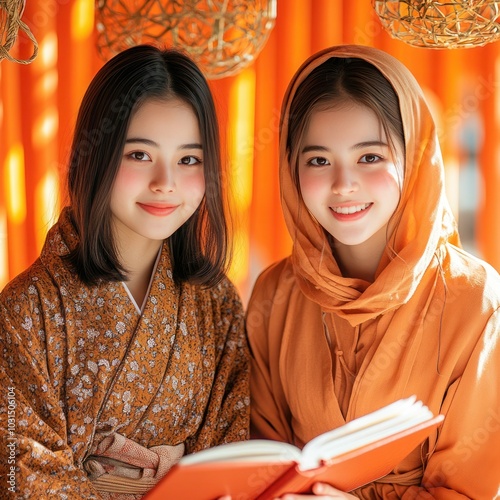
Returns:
(348,457)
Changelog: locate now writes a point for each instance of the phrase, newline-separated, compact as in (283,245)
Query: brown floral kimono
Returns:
(80,364)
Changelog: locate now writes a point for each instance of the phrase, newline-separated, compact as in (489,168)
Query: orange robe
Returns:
(327,349)
(79,363)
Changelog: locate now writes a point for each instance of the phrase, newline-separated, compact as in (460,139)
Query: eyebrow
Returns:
(359,145)
(149,142)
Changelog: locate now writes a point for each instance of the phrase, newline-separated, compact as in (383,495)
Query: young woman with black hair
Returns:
(123,343)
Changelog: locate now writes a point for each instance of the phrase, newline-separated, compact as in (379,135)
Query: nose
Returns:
(344,180)
(163,178)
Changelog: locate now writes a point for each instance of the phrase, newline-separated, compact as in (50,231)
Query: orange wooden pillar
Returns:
(360,22)
(449,64)
(266,220)
(488,90)
(235,102)
(38,107)
(288,47)
(4,263)
(268,234)
(12,189)
(240,141)
(77,64)
(327,24)
(294,47)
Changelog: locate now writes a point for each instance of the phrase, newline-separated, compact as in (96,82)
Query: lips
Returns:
(158,209)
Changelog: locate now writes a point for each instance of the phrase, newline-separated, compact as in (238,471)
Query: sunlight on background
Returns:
(241,147)
(14,183)
(3,247)
(45,138)
(82,19)
(47,55)
(45,127)
(47,203)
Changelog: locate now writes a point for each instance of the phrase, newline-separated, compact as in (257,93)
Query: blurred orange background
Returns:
(39,103)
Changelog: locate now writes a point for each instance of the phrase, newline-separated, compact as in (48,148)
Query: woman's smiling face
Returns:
(161,182)
(349,178)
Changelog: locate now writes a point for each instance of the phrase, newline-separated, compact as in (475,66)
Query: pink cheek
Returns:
(126,179)
(310,186)
(200,183)
(383,181)
(195,184)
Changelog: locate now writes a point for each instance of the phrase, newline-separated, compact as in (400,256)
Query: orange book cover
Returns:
(356,468)
(357,453)
(210,481)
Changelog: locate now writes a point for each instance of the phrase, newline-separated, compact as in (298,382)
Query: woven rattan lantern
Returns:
(466,23)
(11,12)
(222,36)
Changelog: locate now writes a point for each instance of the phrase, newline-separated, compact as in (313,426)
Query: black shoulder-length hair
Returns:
(200,247)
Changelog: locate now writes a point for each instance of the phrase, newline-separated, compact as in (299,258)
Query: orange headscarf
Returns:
(426,221)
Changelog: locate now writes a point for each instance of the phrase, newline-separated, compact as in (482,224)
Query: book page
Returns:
(364,430)
(255,450)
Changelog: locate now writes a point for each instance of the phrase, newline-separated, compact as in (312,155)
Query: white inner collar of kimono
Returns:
(137,308)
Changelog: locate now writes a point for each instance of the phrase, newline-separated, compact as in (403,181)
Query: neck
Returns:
(361,261)
(138,259)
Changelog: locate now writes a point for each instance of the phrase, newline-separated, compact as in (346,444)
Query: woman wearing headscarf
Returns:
(377,300)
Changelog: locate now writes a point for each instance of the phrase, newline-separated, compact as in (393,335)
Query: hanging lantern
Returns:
(11,12)
(222,36)
(466,23)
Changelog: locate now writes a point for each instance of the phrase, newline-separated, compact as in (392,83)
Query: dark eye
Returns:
(370,158)
(318,161)
(189,160)
(139,156)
